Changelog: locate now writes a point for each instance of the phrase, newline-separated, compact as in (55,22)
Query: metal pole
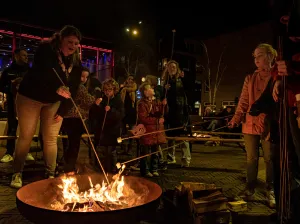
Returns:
(97,65)
(14,42)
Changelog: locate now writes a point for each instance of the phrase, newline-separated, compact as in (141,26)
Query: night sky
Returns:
(105,20)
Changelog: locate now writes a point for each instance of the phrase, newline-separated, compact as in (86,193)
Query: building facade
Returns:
(237,59)
(95,54)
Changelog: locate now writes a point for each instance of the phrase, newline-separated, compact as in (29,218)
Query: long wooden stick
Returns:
(213,139)
(149,154)
(218,133)
(85,127)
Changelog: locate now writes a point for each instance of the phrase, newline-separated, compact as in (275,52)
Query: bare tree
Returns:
(218,77)
(208,78)
(134,59)
(213,86)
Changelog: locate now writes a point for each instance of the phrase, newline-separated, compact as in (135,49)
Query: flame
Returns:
(98,197)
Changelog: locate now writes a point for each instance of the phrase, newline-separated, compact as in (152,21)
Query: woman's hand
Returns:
(64,92)
(98,101)
(282,68)
(167,86)
(276,90)
(231,124)
(58,118)
(161,120)
(107,108)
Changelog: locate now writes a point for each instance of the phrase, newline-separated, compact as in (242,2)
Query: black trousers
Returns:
(73,127)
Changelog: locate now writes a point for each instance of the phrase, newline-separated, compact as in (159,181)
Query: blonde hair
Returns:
(142,88)
(165,73)
(271,52)
(113,83)
(153,80)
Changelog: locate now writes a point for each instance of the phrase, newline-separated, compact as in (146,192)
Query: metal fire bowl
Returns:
(33,202)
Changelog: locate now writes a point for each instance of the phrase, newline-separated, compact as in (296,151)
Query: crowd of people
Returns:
(43,93)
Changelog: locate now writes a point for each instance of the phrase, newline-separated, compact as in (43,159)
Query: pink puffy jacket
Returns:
(253,87)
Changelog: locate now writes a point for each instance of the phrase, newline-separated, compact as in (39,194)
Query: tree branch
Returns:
(221,76)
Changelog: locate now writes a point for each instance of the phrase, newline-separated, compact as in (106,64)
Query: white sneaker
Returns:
(16,181)
(172,161)
(149,174)
(271,199)
(29,157)
(7,158)
(156,174)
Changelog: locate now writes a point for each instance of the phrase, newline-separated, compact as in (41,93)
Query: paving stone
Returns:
(222,165)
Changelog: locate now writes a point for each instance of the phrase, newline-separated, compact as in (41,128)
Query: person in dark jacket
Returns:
(128,97)
(9,83)
(72,123)
(178,110)
(269,103)
(111,113)
(39,95)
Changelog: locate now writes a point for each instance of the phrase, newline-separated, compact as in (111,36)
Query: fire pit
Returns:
(88,199)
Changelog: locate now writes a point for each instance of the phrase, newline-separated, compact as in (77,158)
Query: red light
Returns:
(40,38)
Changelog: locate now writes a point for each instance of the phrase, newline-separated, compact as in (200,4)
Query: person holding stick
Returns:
(39,97)
(178,110)
(150,114)
(111,113)
(72,123)
(280,102)
(255,128)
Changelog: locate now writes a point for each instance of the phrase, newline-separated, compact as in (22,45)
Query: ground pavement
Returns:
(221,165)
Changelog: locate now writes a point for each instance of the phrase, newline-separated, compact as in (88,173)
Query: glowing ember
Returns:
(100,197)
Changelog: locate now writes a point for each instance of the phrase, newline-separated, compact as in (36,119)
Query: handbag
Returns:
(138,129)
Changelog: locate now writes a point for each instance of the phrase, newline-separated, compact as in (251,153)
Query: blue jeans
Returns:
(150,163)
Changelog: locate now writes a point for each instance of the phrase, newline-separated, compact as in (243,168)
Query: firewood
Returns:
(212,196)
(194,186)
(203,206)
(90,206)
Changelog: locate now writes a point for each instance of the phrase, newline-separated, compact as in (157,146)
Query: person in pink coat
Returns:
(255,128)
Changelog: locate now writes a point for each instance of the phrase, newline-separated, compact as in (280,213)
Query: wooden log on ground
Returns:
(211,203)
(201,197)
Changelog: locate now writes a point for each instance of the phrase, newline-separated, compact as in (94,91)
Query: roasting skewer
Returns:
(85,127)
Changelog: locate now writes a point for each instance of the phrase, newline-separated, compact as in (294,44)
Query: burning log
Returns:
(87,206)
(68,201)
(111,206)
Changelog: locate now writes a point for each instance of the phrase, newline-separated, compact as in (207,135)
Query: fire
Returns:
(99,197)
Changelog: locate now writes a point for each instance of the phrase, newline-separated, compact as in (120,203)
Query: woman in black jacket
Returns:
(40,94)
(178,110)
